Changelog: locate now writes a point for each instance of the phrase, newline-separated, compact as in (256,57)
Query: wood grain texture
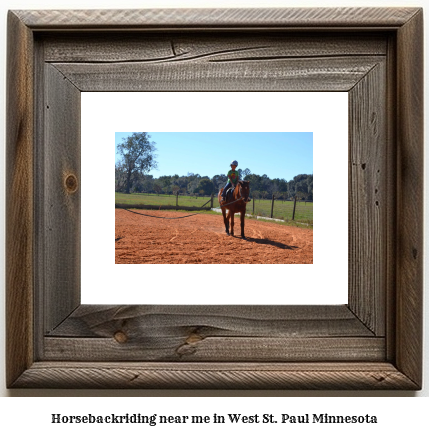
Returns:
(19,200)
(206,18)
(325,74)
(368,202)
(178,47)
(61,187)
(215,376)
(193,348)
(213,333)
(409,273)
(99,321)
(39,200)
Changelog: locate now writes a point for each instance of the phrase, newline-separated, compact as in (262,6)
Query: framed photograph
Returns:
(372,341)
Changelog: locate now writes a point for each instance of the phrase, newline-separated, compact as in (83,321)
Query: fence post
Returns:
(294,206)
(253,205)
(177,198)
(272,206)
(211,201)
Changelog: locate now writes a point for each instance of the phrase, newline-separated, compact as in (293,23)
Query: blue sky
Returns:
(277,154)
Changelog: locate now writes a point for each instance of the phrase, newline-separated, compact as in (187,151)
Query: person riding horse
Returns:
(238,202)
(233,177)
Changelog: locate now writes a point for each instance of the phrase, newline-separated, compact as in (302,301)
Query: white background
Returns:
(323,113)
(399,413)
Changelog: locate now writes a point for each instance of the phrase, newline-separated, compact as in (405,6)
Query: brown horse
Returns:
(236,203)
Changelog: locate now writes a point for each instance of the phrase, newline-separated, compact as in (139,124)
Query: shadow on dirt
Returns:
(269,242)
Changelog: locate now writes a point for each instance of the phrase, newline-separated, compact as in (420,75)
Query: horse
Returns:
(238,202)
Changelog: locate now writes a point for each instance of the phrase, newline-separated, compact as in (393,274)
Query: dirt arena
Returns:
(202,239)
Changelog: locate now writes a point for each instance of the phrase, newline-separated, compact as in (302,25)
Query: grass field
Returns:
(282,209)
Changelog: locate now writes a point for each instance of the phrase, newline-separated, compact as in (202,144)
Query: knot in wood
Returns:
(193,338)
(71,183)
(120,337)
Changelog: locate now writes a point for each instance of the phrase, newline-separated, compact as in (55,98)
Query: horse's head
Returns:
(244,186)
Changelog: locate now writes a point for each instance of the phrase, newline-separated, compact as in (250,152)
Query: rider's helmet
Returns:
(234,162)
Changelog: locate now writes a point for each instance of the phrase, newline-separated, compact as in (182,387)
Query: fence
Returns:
(288,210)
(163,201)
(295,210)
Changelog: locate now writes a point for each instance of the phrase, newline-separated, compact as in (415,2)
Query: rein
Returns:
(162,217)
(235,201)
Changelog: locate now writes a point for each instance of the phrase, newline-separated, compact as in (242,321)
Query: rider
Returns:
(232,178)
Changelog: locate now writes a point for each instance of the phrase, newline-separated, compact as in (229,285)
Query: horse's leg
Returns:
(232,222)
(225,221)
(242,223)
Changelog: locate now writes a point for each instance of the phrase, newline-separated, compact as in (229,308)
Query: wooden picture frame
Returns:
(373,342)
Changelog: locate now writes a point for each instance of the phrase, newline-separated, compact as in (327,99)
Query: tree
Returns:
(291,188)
(273,188)
(219,181)
(246,173)
(165,181)
(137,156)
(302,187)
(120,177)
(301,195)
(167,190)
(299,178)
(157,187)
(281,184)
(260,186)
(310,184)
(265,182)
(192,186)
(205,187)
(148,184)
(255,182)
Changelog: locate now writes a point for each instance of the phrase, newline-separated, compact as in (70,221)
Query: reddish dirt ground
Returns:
(201,239)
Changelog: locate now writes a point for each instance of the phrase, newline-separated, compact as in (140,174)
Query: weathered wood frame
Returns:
(373,342)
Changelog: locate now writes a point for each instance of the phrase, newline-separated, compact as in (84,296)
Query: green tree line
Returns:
(260,186)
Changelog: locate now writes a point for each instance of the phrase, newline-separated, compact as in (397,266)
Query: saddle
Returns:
(228,195)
